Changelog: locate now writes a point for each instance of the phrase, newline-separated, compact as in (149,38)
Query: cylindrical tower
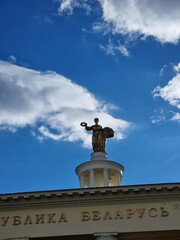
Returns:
(100,172)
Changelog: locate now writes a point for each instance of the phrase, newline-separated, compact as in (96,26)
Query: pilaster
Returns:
(106,177)
(91,178)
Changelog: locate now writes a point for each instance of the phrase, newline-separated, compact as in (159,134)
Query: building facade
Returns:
(100,213)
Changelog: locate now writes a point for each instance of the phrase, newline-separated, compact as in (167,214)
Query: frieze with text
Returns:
(93,215)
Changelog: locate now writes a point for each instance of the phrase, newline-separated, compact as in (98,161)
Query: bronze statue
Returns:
(99,135)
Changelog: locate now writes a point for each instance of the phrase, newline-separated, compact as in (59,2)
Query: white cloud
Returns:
(177,68)
(176,117)
(161,72)
(101,27)
(171,92)
(131,20)
(111,48)
(52,104)
(159,116)
(160,19)
(69,5)
(66,5)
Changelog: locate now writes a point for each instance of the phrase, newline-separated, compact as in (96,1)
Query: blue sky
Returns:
(64,62)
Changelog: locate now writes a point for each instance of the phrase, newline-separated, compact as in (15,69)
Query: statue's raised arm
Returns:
(99,135)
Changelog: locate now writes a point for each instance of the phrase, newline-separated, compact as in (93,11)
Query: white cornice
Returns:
(91,196)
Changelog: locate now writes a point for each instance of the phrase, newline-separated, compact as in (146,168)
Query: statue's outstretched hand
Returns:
(83,124)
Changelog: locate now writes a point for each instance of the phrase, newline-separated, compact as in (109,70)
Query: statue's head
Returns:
(96,120)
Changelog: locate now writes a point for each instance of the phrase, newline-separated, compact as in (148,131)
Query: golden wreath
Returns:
(83,124)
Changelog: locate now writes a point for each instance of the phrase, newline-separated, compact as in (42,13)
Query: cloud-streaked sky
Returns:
(67,61)
(30,97)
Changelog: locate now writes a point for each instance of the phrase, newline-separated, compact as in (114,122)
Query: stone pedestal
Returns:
(98,156)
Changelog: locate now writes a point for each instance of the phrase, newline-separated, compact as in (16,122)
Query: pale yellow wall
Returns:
(90,220)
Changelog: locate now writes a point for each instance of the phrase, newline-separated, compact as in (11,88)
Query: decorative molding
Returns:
(92,196)
(94,201)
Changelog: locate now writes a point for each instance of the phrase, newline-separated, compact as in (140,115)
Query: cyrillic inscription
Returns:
(128,213)
(32,219)
(95,215)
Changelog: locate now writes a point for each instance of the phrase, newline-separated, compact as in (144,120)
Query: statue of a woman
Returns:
(99,135)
